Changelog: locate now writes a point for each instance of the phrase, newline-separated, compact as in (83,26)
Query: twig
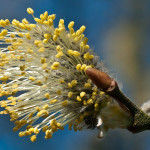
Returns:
(141,121)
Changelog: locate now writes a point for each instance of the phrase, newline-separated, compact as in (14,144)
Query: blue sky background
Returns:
(119,32)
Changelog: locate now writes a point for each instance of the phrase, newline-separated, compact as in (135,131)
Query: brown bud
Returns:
(101,79)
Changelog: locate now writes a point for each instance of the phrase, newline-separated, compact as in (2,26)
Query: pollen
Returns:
(47,36)
(65,103)
(28,36)
(53,101)
(3,32)
(33,138)
(41,50)
(31,78)
(82,94)
(70,94)
(88,56)
(55,65)
(90,101)
(48,134)
(47,95)
(59,54)
(78,67)
(87,85)
(78,98)
(43,60)
(30,11)
(43,78)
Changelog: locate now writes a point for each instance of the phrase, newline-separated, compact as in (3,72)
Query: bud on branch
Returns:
(141,121)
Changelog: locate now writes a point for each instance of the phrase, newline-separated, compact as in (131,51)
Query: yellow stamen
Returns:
(30,11)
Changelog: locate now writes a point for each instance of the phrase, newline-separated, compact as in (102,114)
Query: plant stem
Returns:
(141,121)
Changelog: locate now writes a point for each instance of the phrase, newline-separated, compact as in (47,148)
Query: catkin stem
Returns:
(141,121)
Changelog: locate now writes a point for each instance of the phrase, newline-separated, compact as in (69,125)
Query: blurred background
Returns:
(119,32)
